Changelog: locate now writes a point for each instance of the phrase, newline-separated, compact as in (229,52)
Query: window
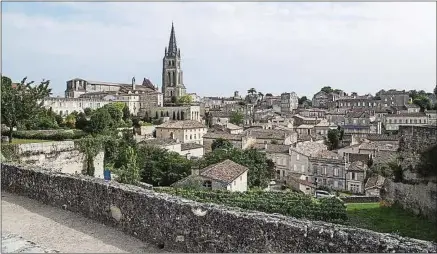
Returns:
(194,136)
(324,181)
(335,171)
(353,176)
(191,136)
(294,167)
(207,184)
(389,120)
(303,168)
(324,170)
(395,121)
(335,184)
(297,156)
(186,136)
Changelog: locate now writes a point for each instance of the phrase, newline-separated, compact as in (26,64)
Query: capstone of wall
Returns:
(186,226)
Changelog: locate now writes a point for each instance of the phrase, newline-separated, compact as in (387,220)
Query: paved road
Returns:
(51,228)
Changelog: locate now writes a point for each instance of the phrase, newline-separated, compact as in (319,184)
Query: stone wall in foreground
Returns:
(181,225)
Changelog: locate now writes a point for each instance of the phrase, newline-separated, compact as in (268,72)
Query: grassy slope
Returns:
(391,220)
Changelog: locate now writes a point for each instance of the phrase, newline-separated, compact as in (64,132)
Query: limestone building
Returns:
(172,75)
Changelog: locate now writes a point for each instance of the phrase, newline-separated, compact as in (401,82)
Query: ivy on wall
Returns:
(90,146)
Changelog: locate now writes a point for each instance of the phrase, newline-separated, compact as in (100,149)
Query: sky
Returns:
(273,47)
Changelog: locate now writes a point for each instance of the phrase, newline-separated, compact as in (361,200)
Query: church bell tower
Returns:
(172,77)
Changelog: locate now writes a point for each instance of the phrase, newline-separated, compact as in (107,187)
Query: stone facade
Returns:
(172,75)
(191,112)
(177,224)
(327,172)
(186,131)
(418,198)
(393,97)
(58,156)
(66,106)
(289,102)
(393,121)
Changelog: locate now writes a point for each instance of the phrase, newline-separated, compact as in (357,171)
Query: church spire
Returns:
(172,48)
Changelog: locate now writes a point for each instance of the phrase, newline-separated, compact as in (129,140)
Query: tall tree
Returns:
(302,99)
(326,89)
(251,91)
(21,102)
(126,113)
(236,118)
(333,139)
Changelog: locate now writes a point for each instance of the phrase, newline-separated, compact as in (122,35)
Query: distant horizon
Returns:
(226,47)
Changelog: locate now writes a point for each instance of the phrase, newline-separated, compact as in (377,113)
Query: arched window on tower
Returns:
(174,78)
(169,78)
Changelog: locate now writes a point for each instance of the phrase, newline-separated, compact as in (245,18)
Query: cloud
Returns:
(273,47)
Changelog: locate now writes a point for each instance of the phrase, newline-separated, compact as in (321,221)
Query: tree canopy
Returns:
(333,139)
(261,169)
(236,118)
(21,102)
(221,143)
(186,99)
(161,167)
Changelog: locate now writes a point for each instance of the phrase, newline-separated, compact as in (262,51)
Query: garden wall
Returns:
(187,226)
(58,156)
(418,198)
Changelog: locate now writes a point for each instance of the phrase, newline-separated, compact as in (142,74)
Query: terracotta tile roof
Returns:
(189,146)
(272,148)
(303,182)
(223,135)
(381,137)
(225,171)
(268,134)
(184,124)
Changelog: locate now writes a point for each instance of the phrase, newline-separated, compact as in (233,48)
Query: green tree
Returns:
(21,102)
(186,99)
(221,143)
(302,100)
(128,173)
(161,167)
(261,95)
(115,112)
(126,113)
(423,102)
(269,95)
(88,111)
(333,139)
(251,91)
(70,121)
(261,170)
(101,122)
(81,121)
(236,118)
(327,89)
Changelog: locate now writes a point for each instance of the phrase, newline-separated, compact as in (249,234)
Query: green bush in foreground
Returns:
(290,204)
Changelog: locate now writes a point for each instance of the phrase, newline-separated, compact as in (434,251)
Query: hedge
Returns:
(290,203)
(55,135)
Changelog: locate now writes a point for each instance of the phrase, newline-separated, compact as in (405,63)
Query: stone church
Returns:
(172,76)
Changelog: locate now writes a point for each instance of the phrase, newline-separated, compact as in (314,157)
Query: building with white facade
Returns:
(186,131)
(392,121)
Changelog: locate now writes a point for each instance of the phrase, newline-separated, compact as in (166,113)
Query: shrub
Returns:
(55,135)
(288,203)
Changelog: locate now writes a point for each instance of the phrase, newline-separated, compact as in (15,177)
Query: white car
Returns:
(323,194)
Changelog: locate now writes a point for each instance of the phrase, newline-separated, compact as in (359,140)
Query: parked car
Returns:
(323,194)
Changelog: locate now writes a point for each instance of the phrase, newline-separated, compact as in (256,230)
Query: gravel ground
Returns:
(67,232)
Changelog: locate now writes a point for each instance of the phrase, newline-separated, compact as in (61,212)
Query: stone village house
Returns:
(225,175)
(187,131)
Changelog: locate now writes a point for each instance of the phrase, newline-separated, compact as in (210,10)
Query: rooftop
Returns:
(419,114)
(190,146)
(184,124)
(226,171)
(273,148)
